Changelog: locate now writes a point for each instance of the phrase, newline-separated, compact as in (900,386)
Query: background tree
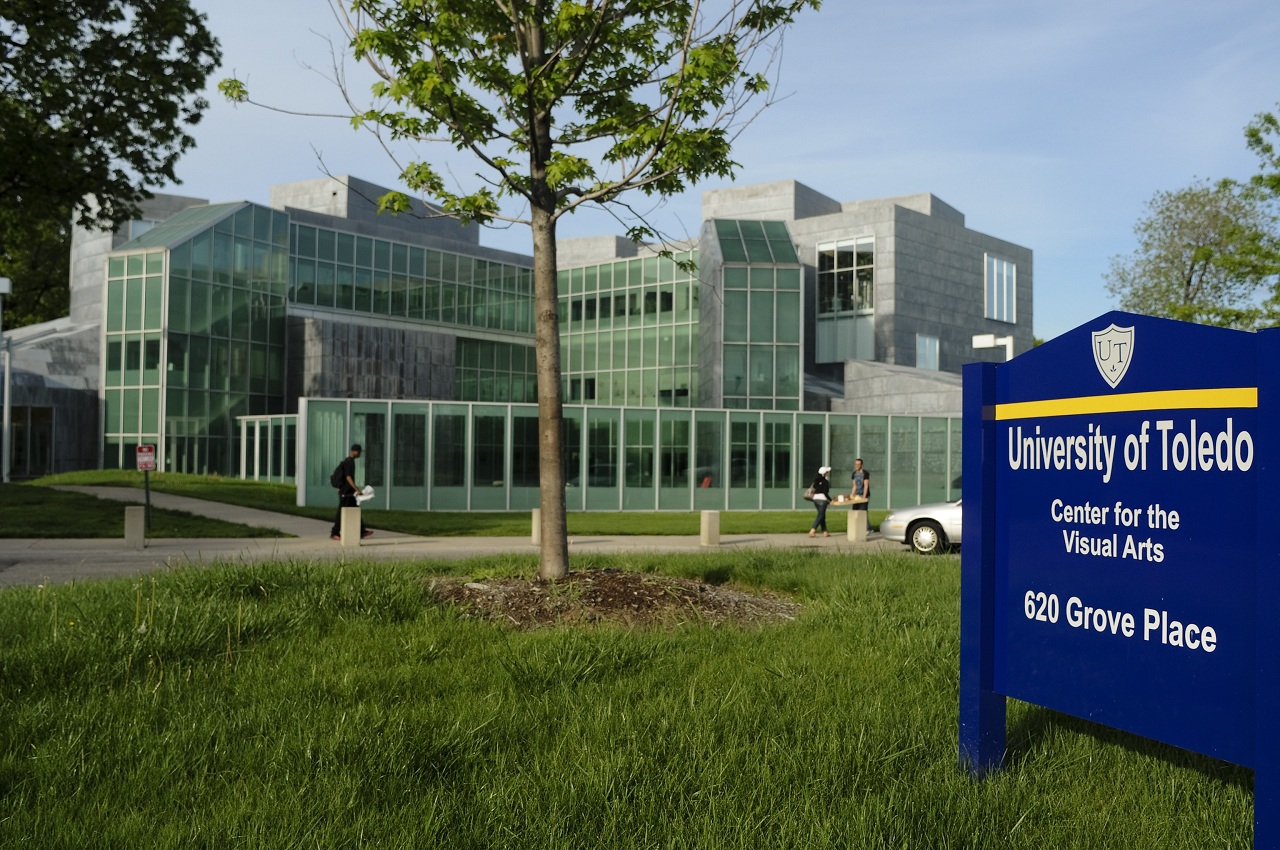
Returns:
(95,96)
(1203,256)
(38,260)
(1260,136)
(563,104)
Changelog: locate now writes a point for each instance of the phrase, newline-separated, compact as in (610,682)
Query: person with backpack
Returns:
(344,480)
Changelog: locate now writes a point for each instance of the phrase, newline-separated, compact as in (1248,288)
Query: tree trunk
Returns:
(554,554)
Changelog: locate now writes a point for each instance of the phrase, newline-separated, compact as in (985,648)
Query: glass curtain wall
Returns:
(450,456)
(195,337)
(494,371)
(132,377)
(269,448)
(629,332)
(361,274)
(763,318)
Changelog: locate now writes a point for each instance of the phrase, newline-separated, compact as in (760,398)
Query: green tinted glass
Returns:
(788,316)
(761,316)
(735,316)
(151,411)
(115,305)
(133,291)
(129,420)
(153,303)
(787,279)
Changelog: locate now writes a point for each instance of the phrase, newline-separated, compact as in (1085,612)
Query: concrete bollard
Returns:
(710,528)
(135,527)
(857,526)
(535,537)
(349,526)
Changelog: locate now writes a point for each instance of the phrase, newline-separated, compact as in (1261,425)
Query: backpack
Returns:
(337,479)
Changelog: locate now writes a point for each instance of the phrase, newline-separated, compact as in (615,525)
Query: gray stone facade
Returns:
(929,269)
(710,389)
(929,279)
(883,390)
(351,204)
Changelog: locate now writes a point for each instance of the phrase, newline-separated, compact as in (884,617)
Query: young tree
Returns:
(1202,256)
(564,103)
(95,97)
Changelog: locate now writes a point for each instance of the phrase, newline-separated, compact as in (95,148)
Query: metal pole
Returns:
(6,287)
(8,361)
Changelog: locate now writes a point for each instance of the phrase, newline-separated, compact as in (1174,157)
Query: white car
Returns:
(928,528)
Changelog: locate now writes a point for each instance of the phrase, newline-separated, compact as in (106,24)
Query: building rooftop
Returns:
(183,226)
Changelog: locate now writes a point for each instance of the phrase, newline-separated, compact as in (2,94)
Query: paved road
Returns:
(57,561)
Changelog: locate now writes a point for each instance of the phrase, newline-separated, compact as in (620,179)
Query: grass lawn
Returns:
(281,498)
(31,511)
(311,705)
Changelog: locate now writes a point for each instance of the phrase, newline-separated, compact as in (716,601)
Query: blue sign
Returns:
(1120,489)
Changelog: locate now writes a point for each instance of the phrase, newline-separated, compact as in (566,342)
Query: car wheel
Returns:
(926,537)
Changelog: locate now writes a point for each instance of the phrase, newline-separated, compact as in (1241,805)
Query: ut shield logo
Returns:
(1112,351)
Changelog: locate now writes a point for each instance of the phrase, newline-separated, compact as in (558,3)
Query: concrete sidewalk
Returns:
(58,561)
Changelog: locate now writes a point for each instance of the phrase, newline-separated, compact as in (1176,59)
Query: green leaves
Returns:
(1260,137)
(1204,254)
(569,102)
(563,103)
(95,101)
(233,90)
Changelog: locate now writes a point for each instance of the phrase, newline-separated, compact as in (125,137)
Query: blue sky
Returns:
(1048,124)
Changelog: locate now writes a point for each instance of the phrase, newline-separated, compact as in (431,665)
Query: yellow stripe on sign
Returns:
(1130,402)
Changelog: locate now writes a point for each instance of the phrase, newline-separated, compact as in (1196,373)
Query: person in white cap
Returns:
(821,498)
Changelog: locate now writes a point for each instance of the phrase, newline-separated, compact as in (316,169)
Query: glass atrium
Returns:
(197,320)
(195,335)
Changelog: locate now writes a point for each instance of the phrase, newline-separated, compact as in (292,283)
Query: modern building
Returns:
(795,330)
(791,288)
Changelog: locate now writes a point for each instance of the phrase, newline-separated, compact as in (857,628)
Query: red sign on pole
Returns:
(146,458)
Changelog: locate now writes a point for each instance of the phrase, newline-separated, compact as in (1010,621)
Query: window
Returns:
(846,275)
(449,461)
(409,431)
(926,351)
(487,464)
(524,451)
(1001,289)
(743,439)
(674,462)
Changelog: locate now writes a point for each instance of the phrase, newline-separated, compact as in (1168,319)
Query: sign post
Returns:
(146,463)
(1118,565)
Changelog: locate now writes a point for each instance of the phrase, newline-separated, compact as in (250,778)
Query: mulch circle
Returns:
(609,596)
